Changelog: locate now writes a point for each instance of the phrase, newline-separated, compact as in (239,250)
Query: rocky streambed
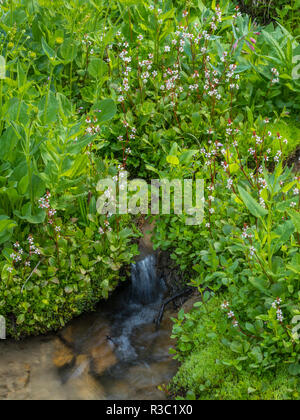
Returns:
(114,353)
(81,362)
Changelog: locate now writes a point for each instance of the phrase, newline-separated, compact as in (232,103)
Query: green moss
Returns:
(205,375)
(288,130)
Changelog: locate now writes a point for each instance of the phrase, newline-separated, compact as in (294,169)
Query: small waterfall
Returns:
(140,305)
(146,287)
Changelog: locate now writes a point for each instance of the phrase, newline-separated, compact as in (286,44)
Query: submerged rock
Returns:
(145,242)
(103,358)
(88,388)
(63,356)
(81,380)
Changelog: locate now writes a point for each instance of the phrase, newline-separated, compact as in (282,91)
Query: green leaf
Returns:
(65,105)
(294,369)
(27,215)
(50,114)
(20,319)
(283,233)
(68,50)
(252,205)
(236,347)
(271,40)
(97,68)
(187,156)
(108,110)
(47,50)
(173,160)
(295,216)
(257,354)
(288,186)
(6,228)
(151,168)
(23,185)
(7,224)
(260,284)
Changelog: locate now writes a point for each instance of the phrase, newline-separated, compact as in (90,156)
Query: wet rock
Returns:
(97,335)
(63,356)
(82,359)
(189,304)
(73,334)
(145,243)
(103,357)
(88,388)
(294,160)
(164,342)
(67,336)
(80,380)
(170,273)
(147,377)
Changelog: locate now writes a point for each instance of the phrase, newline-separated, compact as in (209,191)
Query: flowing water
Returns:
(114,353)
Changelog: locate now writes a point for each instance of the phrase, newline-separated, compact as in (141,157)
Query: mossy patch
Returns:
(206,375)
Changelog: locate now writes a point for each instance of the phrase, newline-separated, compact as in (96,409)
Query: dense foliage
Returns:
(285,12)
(162,90)
(207,371)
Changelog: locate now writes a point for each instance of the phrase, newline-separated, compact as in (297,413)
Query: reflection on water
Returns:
(115,353)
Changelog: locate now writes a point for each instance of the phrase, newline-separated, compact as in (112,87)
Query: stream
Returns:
(113,353)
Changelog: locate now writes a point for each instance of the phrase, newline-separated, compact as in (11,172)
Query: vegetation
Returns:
(284,12)
(207,371)
(166,90)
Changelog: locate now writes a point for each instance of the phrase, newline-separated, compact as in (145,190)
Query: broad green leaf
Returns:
(252,205)
(107,109)
(295,216)
(68,50)
(187,156)
(48,108)
(7,224)
(47,50)
(23,185)
(97,68)
(173,160)
(27,215)
(260,284)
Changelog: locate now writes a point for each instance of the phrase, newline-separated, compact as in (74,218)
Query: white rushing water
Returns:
(140,305)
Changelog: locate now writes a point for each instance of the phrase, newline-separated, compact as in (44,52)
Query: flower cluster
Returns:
(252,251)
(19,255)
(32,248)
(92,126)
(210,79)
(230,314)
(86,41)
(277,157)
(276,305)
(44,203)
(275,74)
(107,228)
(237,14)
(245,234)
